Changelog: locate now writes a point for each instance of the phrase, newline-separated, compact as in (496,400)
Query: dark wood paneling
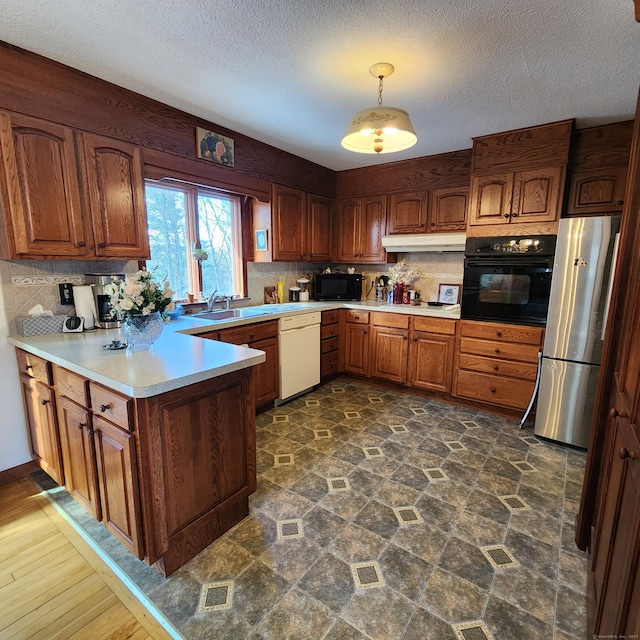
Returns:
(46,89)
(604,146)
(443,170)
(542,146)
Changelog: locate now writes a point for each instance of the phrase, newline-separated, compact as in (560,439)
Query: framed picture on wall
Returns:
(262,242)
(449,293)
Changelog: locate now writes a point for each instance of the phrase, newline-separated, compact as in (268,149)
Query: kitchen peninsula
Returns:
(158,445)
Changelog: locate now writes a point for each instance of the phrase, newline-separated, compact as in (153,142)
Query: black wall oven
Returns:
(508,279)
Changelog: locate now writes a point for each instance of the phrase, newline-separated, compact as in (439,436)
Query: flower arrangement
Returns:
(139,295)
(401,274)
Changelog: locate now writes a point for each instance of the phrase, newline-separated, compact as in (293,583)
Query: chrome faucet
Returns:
(214,298)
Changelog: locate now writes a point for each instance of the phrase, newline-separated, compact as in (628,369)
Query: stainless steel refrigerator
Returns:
(578,306)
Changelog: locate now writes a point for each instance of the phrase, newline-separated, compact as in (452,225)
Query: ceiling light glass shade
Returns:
(379,130)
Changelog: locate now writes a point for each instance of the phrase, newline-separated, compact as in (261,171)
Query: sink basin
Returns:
(225,314)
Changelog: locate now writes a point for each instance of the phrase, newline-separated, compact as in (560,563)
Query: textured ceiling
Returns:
(291,72)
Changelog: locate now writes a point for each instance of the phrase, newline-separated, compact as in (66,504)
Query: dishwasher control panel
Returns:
(299,320)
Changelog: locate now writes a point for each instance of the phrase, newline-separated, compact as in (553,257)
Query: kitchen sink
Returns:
(225,314)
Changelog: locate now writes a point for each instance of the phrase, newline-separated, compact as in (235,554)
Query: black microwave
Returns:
(338,286)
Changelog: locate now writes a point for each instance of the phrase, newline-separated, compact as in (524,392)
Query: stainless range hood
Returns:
(435,242)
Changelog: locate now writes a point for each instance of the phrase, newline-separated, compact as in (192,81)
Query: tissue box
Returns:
(40,325)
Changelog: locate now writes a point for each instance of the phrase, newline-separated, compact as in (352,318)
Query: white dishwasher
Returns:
(299,354)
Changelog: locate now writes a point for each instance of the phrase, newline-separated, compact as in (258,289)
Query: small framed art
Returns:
(449,293)
(214,147)
(262,240)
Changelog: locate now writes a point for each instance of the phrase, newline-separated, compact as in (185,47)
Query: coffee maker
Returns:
(98,283)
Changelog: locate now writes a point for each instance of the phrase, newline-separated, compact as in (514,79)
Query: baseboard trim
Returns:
(17,473)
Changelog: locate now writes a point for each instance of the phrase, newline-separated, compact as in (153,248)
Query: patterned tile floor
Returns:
(384,515)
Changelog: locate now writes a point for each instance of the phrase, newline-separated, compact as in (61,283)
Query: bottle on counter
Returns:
(281,292)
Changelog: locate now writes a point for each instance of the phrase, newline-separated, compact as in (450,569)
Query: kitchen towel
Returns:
(85,304)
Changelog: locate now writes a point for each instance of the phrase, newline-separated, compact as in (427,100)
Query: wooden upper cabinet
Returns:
(491,199)
(68,203)
(40,189)
(523,196)
(597,191)
(289,224)
(320,223)
(448,209)
(537,195)
(407,212)
(112,172)
(360,226)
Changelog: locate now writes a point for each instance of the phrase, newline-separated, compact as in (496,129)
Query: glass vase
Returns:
(398,291)
(142,331)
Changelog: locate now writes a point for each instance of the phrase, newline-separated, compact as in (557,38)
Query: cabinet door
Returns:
(320,216)
(597,191)
(448,209)
(41,194)
(431,361)
(115,193)
(390,348)
(347,230)
(80,472)
(40,412)
(289,215)
(537,195)
(407,212)
(118,480)
(373,220)
(356,348)
(265,375)
(491,199)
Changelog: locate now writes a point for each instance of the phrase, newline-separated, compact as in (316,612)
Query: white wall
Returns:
(14,441)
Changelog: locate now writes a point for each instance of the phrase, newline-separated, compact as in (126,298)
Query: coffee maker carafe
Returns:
(98,283)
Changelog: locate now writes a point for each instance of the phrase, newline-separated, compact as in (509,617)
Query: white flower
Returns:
(140,294)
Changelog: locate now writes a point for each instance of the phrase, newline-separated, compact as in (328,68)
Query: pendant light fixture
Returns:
(380,129)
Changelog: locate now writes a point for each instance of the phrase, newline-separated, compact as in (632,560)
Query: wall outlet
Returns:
(66,293)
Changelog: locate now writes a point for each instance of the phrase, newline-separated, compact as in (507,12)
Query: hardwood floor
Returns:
(53,585)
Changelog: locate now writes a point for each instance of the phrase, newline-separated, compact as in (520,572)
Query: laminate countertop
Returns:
(179,357)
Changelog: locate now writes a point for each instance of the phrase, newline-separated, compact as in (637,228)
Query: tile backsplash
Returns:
(26,283)
(436,269)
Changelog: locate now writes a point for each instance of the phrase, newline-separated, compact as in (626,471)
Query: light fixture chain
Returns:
(380,91)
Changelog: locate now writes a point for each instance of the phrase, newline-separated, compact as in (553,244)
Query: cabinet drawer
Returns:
(329,317)
(502,332)
(329,344)
(249,333)
(357,317)
(434,325)
(72,386)
(393,320)
(328,364)
(111,405)
(34,367)
(329,331)
(507,350)
(507,392)
(524,370)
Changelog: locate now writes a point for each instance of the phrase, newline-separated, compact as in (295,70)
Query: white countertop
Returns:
(178,359)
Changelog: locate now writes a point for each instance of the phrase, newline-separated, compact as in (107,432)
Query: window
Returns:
(182,218)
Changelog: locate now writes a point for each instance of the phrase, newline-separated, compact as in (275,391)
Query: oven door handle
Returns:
(474,262)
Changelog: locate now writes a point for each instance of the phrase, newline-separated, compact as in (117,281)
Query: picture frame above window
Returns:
(214,147)
(449,293)
(262,240)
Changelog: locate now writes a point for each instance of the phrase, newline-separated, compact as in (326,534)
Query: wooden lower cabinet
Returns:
(355,343)
(389,346)
(329,343)
(40,411)
(497,363)
(262,336)
(431,350)
(166,475)
(76,435)
(118,483)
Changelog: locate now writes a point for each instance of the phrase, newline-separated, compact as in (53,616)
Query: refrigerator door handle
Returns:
(612,274)
(534,393)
